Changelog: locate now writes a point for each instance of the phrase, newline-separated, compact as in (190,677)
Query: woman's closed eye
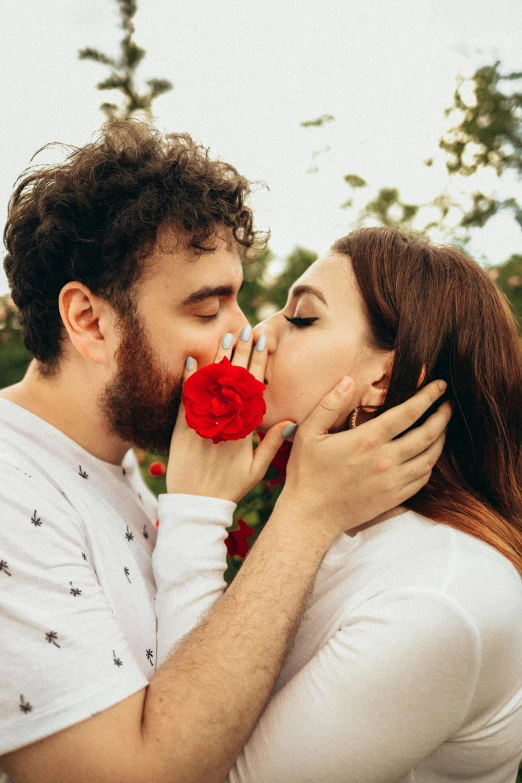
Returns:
(300,323)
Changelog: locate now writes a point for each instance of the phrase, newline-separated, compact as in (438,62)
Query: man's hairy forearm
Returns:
(204,701)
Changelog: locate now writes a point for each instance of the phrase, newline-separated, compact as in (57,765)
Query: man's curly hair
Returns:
(95,218)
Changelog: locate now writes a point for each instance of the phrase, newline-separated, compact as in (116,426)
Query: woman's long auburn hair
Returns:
(442,315)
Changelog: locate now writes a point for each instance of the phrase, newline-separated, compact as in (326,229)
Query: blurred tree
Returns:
(14,357)
(123,69)
(489,131)
(508,277)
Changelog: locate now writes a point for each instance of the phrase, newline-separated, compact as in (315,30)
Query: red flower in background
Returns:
(140,455)
(237,540)
(223,402)
(157,469)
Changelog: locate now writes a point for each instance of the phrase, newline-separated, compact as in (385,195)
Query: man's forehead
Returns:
(188,277)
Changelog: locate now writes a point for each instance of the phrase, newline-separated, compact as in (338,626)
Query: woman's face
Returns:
(307,358)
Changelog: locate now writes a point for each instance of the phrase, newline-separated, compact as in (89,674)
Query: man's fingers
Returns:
(421,438)
(329,409)
(411,489)
(403,416)
(424,463)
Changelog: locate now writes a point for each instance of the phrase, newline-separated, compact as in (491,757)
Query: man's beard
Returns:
(141,403)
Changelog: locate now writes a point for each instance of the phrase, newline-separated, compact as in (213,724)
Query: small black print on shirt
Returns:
(4,566)
(126,572)
(35,519)
(149,655)
(128,535)
(116,660)
(124,471)
(145,532)
(82,473)
(74,590)
(52,638)
(84,556)
(25,706)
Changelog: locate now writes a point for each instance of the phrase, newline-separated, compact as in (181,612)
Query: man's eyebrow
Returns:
(307,289)
(209,292)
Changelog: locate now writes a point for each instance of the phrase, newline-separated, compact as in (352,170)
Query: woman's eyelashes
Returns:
(208,317)
(300,323)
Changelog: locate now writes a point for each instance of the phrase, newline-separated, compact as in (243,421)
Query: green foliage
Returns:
(261,292)
(489,133)
(508,277)
(355,181)
(14,357)
(389,210)
(122,76)
(318,122)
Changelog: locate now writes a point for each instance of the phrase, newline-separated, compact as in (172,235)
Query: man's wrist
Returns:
(300,517)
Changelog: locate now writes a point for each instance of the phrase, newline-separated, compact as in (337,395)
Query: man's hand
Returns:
(344,479)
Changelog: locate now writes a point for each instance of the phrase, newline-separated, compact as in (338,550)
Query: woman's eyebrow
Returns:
(307,289)
(209,292)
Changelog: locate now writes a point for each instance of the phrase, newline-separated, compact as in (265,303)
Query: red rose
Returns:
(237,540)
(157,469)
(223,402)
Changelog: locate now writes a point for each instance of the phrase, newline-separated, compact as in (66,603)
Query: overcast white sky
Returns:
(247,73)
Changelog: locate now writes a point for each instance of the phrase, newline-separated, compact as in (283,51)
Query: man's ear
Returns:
(89,321)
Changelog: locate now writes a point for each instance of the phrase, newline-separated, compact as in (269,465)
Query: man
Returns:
(124,261)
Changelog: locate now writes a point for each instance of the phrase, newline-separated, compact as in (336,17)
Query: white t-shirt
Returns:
(81,569)
(406,667)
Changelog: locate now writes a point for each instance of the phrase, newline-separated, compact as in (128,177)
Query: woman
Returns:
(408,663)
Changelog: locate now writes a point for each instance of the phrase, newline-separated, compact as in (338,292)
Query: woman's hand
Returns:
(229,469)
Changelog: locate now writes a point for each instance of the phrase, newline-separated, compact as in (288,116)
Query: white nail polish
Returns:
(261,343)
(227,341)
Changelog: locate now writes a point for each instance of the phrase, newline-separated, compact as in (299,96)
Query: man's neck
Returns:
(71,407)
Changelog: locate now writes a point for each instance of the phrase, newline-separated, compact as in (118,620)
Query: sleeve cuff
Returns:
(196,508)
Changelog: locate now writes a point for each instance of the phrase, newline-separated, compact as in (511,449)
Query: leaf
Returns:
(158,87)
(113,82)
(355,181)
(94,54)
(322,120)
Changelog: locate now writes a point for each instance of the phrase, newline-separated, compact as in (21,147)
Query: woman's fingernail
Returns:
(226,341)
(443,385)
(261,343)
(189,364)
(289,430)
(245,333)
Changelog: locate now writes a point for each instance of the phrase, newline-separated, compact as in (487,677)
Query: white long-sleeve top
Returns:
(407,666)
